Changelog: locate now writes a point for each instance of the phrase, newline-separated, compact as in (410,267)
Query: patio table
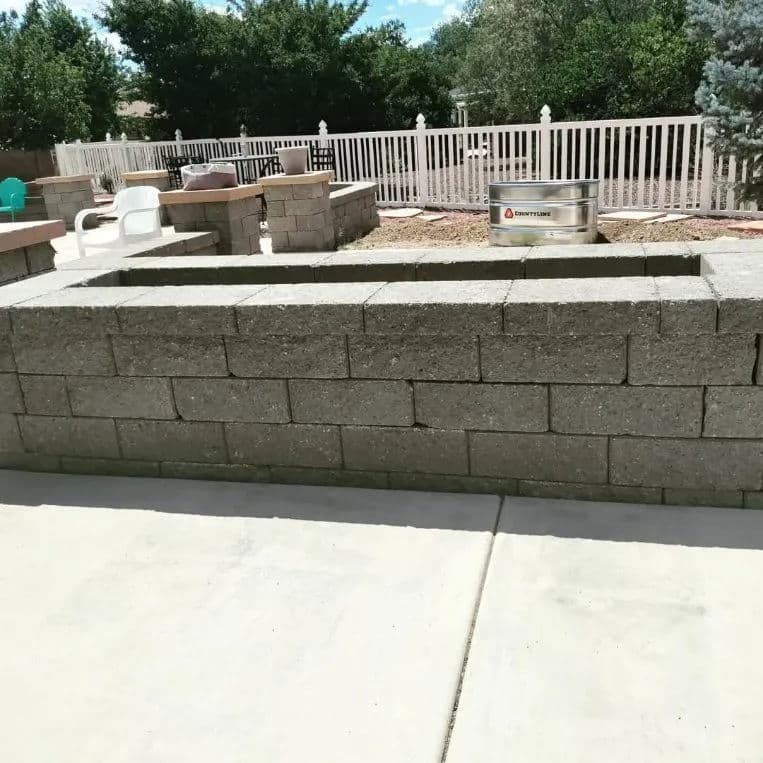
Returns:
(250,167)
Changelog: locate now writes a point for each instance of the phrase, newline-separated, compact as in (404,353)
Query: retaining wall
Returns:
(644,389)
(353,206)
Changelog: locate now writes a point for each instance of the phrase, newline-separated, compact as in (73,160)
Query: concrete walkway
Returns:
(157,621)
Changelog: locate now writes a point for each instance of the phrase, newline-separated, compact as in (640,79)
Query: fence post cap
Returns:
(108,136)
(322,124)
(123,137)
(178,134)
(545,113)
(421,119)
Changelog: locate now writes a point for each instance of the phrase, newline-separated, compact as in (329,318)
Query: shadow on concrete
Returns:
(634,523)
(443,511)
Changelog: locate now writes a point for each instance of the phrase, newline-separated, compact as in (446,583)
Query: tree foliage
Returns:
(278,66)
(58,81)
(588,59)
(731,91)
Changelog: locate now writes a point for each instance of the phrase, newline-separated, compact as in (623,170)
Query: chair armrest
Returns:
(14,196)
(79,220)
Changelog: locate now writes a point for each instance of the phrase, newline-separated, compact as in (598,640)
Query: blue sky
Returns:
(419,16)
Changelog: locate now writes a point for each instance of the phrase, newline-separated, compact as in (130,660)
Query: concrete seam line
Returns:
(472,626)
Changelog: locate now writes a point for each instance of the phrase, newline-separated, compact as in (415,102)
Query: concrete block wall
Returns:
(237,222)
(627,389)
(299,216)
(17,264)
(63,200)
(354,209)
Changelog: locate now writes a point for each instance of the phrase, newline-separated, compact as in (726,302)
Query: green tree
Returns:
(588,59)
(447,46)
(731,91)
(279,66)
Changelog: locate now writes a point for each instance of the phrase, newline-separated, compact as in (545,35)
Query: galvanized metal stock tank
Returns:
(543,212)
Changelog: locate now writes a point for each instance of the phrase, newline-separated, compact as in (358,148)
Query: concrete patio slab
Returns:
(163,620)
(613,632)
(400,212)
(630,215)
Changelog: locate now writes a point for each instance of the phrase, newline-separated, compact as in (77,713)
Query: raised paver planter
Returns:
(25,248)
(635,388)
(156,179)
(233,212)
(353,206)
(299,211)
(66,195)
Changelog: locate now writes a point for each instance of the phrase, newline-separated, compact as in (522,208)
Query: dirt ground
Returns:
(471,229)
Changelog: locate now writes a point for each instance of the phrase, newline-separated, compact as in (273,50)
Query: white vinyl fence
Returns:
(662,163)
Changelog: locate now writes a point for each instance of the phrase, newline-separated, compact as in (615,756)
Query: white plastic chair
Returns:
(137,213)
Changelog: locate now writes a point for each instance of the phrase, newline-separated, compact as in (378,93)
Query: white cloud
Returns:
(450,11)
(389,8)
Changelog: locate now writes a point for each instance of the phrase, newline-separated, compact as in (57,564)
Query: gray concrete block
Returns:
(304,207)
(437,307)
(344,401)
(170,356)
(687,306)
(753,500)
(13,265)
(262,400)
(585,261)
(293,475)
(689,360)
(309,241)
(450,483)
(544,457)
(318,221)
(409,449)
(29,462)
(362,266)
(40,257)
(281,224)
(414,357)
(472,265)
(275,209)
(733,499)
(278,193)
(172,441)
(88,311)
(583,306)
(10,394)
(63,436)
(312,357)
(586,492)
(573,360)
(311,191)
(121,397)
(500,407)
(740,302)
(695,464)
(227,472)
(284,445)
(7,362)
(307,308)
(621,409)
(734,412)
(185,310)
(10,440)
(63,354)
(45,395)
(110,467)
(279,241)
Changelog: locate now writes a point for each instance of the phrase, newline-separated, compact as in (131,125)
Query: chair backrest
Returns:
(138,197)
(322,158)
(12,193)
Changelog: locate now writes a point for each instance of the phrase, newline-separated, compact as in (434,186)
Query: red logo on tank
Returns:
(508,214)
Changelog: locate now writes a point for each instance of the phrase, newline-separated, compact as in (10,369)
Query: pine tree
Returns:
(731,92)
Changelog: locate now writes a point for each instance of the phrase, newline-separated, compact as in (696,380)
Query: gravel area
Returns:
(471,229)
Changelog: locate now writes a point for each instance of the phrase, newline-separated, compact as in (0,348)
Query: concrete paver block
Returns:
(587,492)
(262,400)
(60,436)
(508,407)
(10,394)
(146,440)
(170,356)
(121,397)
(62,354)
(733,499)
(687,305)
(284,445)
(734,412)
(695,464)
(689,360)
(45,395)
(405,449)
(312,356)
(414,357)
(574,360)
(340,401)
(10,439)
(553,457)
(619,409)
(437,307)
